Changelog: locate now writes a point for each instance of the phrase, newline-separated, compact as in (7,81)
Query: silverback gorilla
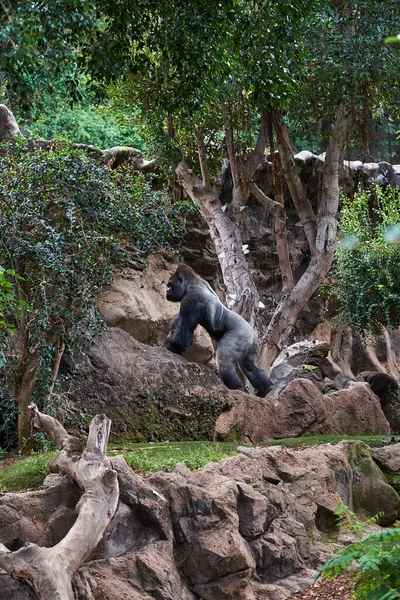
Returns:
(237,341)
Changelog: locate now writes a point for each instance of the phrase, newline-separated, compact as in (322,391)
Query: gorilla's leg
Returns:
(257,376)
(228,354)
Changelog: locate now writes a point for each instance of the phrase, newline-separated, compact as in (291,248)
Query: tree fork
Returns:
(49,570)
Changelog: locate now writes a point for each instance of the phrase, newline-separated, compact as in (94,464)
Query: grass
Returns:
(374,441)
(28,473)
(149,458)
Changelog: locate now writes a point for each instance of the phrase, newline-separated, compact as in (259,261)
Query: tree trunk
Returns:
(49,570)
(29,372)
(241,293)
(286,313)
(292,177)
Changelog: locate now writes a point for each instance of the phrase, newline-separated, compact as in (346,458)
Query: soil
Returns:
(339,588)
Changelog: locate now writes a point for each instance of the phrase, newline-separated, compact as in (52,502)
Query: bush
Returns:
(67,225)
(366,273)
(377,559)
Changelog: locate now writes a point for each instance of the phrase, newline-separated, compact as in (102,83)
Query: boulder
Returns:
(387,390)
(388,459)
(307,359)
(356,410)
(254,526)
(301,409)
(136,303)
(8,125)
(148,392)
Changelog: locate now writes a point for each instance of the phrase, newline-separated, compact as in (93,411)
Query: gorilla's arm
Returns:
(182,326)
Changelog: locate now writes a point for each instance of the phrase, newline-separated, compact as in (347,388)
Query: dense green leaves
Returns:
(366,276)
(67,224)
(377,558)
(11,307)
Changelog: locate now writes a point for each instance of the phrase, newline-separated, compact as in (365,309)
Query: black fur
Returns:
(237,341)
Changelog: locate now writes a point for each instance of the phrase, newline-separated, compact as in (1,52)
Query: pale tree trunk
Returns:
(241,293)
(322,246)
(276,208)
(29,370)
(49,570)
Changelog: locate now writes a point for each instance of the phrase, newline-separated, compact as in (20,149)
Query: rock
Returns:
(254,526)
(387,390)
(8,125)
(148,392)
(355,410)
(136,303)
(306,359)
(388,458)
(370,492)
(301,409)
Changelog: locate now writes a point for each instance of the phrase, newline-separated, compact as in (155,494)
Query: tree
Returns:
(220,79)
(67,224)
(213,74)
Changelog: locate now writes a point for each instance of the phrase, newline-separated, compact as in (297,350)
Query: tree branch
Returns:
(257,155)
(230,144)
(295,185)
(49,570)
(282,247)
(203,159)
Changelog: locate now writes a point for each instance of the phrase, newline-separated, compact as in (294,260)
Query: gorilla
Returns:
(237,341)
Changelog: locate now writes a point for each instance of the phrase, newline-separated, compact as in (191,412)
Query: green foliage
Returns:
(366,274)
(82,123)
(370,440)
(67,224)
(377,559)
(150,458)
(10,308)
(349,521)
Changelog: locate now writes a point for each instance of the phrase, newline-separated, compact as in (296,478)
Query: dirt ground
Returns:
(338,589)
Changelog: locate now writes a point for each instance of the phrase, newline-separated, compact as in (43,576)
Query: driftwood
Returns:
(49,570)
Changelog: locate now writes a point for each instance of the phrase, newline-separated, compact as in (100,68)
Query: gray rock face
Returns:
(251,527)
(148,392)
(301,409)
(387,390)
(306,359)
(136,303)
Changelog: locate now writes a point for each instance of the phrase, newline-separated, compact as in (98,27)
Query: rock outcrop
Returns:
(152,394)
(301,409)
(149,392)
(252,527)
(136,303)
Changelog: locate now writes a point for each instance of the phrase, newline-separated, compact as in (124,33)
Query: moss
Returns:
(235,434)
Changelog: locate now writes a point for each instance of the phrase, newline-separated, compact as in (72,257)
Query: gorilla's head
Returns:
(177,285)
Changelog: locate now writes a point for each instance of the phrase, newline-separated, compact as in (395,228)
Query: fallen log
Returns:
(49,570)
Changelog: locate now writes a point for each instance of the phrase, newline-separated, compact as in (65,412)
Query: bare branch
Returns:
(50,426)
(282,248)
(203,159)
(275,208)
(257,155)
(295,185)
(230,144)
(328,208)
(49,570)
